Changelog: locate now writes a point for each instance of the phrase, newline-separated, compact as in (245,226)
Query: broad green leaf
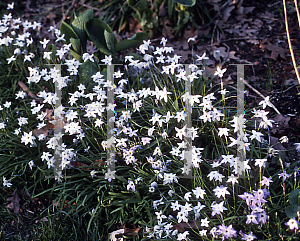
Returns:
(138,5)
(139,36)
(142,4)
(137,16)
(95,30)
(79,26)
(134,41)
(144,20)
(136,56)
(291,212)
(176,104)
(75,55)
(68,31)
(76,45)
(188,3)
(86,71)
(110,40)
(103,25)
(127,44)
(294,197)
(131,2)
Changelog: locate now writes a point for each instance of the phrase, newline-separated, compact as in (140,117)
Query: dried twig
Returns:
(241,38)
(289,39)
(232,87)
(297,10)
(85,5)
(261,95)
(65,14)
(212,37)
(289,88)
(228,49)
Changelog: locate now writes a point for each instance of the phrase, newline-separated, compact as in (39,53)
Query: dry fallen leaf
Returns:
(291,81)
(185,55)
(49,114)
(269,17)
(135,26)
(118,37)
(248,10)
(162,11)
(15,202)
(277,145)
(227,12)
(167,29)
(253,41)
(182,226)
(184,44)
(49,118)
(25,88)
(117,235)
(51,16)
(276,50)
(78,164)
(113,234)
(204,31)
(223,52)
(190,33)
(131,231)
(208,72)
(44,219)
(282,122)
(43,130)
(226,81)
(257,23)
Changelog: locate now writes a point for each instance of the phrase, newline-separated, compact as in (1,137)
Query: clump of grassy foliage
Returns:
(175,173)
